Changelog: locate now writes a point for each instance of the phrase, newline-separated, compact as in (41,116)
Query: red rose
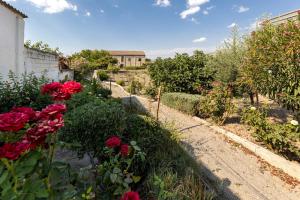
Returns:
(131,196)
(13,121)
(124,149)
(60,95)
(12,151)
(25,110)
(51,111)
(51,87)
(72,87)
(113,141)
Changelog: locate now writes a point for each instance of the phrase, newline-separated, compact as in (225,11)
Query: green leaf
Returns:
(128,180)
(133,143)
(136,179)
(3,177)
(113,177)
(117,170)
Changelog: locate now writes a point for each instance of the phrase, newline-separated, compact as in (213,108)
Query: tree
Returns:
(272,63)
(183,73)
(40,45)
(227,61)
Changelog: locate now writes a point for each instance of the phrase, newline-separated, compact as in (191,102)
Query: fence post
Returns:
(158,102)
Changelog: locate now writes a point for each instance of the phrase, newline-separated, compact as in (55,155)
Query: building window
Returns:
(129,59)
(139,59)
(122,58)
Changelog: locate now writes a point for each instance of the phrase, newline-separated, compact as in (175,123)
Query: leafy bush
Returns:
(183,73)
(23,91)
(187,103)
(120,82)
(88,126)
(135,87)
(271,64)
(114,69)
(102,75)
(217,104)
(151,91)
(284,138)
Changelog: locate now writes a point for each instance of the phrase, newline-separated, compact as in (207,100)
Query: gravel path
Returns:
(238,174)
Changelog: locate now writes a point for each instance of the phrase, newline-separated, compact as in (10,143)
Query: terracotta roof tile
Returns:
(127,53)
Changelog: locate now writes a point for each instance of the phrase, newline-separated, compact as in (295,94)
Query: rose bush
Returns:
(60,92)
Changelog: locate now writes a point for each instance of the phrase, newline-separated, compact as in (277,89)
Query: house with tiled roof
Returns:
(283,18)
(129,58)
(11,39)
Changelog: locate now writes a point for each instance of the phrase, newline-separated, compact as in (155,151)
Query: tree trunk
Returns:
(251,95)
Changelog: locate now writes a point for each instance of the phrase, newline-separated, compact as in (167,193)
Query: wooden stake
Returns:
(158,102)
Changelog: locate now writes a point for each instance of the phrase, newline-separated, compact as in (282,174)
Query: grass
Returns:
(170,172)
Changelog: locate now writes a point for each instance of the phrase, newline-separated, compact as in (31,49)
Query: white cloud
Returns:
(163,3)
(194,20)
(102,11)
(199,40)
(193,6)
(210,7)
(254,25)
(232,25)
(193,3)
(243,9)
(54,6)
(190,11)
(87,13)
(205,12)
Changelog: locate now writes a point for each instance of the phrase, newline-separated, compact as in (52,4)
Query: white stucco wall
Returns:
(40,63)
(11,42)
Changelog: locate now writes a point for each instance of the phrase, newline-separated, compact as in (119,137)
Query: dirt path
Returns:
(239,174)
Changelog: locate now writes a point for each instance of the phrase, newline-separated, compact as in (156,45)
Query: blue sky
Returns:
(160,27)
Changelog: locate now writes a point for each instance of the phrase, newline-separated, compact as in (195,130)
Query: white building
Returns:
(11,39)
(19,59)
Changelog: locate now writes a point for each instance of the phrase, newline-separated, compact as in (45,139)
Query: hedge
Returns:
(187,103)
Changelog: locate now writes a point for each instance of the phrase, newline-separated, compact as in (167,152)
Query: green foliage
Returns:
(135,87)
(102,75)
(187,103)
(121,82)
(226,62)
(33,177)
(272,65)
(135,67)
(217,104)
(22,91)
(283,138)
(113,68)
(88,126)
(42,47)
(175,171)
(151,91)
(95,59)
(183,73)
(115,176)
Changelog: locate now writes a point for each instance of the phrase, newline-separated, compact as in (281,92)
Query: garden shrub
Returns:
(271,64)
(88,126)
(80,99)
(283,138)
(22,91)
(135,87)
(187,103)
(102,75)
(217,104)
(121,82)
(151,91)
(113,68)
(183,73)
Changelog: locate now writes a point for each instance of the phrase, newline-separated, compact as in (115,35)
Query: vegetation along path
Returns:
(238,173)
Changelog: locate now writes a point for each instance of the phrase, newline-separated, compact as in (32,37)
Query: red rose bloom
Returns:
(60,95)
(51,87)
(72,87)
(13,121)
(12,151)
(51,111)
(131,196)
(113,141)
(25,110)
(124,150)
